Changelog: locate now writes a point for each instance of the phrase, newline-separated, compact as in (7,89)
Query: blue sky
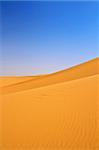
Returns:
(44,37)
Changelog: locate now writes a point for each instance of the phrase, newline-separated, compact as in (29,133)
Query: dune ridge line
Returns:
(85,69)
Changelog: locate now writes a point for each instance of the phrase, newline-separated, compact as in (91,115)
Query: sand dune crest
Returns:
(82,70)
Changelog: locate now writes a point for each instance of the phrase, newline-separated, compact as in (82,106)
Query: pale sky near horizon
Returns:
(45,37)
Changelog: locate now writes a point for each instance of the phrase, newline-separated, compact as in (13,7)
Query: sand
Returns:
(59,111)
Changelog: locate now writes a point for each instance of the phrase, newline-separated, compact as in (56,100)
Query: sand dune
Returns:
(61,115)
(9,80)
(83,70)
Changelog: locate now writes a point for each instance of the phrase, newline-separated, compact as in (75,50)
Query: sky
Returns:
(45,37)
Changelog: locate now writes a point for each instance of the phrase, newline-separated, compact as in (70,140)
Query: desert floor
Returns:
(59,111)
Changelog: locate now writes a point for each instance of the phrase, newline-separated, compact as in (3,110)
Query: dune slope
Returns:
(62,116)
(9,80)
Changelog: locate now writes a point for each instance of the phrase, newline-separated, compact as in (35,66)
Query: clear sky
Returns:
(44,37)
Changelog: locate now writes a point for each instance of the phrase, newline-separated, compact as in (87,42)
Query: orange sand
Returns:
(51,112)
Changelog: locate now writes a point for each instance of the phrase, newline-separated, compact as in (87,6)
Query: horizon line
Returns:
(96,58)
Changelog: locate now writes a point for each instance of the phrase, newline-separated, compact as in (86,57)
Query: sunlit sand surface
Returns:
(56,112)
